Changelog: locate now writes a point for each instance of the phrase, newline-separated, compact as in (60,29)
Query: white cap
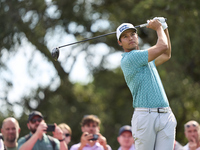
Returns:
(123,27)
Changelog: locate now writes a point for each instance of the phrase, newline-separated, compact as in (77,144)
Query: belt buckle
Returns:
(162,110)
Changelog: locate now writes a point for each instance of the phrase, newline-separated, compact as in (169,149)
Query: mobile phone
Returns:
(50,128)
(95,137)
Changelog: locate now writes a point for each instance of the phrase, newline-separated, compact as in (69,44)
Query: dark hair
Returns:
(87,119)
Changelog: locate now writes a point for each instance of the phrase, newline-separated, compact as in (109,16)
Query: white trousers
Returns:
(153,131)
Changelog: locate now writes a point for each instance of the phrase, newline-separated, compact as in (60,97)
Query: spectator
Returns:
(91,138)
(67,132)
(37,138)
(1,143)
(125,138)
(10,131)
(192,135)
(178,146)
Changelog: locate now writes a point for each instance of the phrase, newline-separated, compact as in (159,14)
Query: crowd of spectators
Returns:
(91,138)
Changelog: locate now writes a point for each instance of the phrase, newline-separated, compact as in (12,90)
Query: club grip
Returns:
(142,25)
(146,24)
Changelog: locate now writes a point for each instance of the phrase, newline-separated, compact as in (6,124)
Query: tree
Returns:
(60,100)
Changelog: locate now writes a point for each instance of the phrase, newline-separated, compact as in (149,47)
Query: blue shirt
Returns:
(143,80)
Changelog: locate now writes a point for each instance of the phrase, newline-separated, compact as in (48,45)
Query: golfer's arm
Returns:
(167,54)
(29,144)
(160,47)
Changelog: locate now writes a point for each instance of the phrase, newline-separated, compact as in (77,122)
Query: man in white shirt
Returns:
(192,134)
(1,145)
(125,138)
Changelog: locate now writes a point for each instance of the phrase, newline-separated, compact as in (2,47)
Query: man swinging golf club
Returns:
(153,123)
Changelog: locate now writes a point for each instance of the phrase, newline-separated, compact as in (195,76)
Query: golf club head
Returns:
(55,53)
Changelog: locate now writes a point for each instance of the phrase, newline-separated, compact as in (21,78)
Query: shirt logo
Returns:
(123,28)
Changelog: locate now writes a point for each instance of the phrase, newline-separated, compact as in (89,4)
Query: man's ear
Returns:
(118,139)
(19,130)
(28,126)
(82,129)
(120,43)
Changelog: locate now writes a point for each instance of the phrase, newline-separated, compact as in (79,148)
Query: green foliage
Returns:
(107,95)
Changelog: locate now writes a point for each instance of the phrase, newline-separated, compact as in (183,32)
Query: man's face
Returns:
(34,123)
(91,128)
(191,131)
(125,139)
(129,40)
(10,131)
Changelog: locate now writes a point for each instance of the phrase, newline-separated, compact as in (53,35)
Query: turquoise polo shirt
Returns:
(143,80)
(44,144)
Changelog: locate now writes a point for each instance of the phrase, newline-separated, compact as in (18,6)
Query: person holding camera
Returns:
(91,138)
(37,138)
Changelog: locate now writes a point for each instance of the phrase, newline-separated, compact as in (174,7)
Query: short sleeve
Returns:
(21,141)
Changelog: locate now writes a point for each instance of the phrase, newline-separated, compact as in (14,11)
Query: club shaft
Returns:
(88,39)
(142,25)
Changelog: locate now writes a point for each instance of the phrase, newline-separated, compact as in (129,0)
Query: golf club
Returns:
(55,52)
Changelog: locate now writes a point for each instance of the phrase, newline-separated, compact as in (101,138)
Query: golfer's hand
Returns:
(154,24)
(161,19)
(163,22)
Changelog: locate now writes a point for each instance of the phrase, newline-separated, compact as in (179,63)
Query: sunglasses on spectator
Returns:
(189,125)
(67,134)
(36,120)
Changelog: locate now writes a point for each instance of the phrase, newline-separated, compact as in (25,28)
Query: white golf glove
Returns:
(162,21)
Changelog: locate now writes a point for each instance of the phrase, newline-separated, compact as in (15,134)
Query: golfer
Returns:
(153,123)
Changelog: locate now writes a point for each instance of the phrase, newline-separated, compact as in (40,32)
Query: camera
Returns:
(95,137)
(50,128)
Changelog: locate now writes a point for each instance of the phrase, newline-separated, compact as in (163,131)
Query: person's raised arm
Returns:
(102,140)
(84,139)
(162,42)
(29,144)
(167,54)
(58,134)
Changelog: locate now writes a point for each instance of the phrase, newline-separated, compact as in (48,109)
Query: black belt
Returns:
(158,110)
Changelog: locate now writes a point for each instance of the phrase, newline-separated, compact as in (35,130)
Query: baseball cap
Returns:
(34,113)
(123,27)
(124,128)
